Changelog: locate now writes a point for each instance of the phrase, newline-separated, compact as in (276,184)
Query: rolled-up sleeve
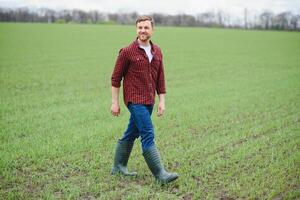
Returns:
(120,69)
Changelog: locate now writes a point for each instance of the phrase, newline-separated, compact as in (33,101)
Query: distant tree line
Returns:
(265,20)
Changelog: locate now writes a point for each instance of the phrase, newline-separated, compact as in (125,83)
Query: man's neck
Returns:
(144,43)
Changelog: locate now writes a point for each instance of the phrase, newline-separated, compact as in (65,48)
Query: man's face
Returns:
(144,30)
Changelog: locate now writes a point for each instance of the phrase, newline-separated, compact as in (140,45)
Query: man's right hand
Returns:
(115,110)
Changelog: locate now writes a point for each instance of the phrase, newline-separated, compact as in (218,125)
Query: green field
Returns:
(231,129)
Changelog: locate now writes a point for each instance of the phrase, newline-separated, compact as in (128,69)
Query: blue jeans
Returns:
(140,124)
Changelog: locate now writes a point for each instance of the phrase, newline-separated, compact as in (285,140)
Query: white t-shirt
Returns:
(148,51)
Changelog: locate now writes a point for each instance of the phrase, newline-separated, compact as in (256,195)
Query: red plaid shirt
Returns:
(141,78)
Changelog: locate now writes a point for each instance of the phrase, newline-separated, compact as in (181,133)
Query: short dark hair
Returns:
(144,18)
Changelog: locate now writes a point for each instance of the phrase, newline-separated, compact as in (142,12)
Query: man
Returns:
(141,68)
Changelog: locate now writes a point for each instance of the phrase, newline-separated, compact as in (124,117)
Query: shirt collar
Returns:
(137,45)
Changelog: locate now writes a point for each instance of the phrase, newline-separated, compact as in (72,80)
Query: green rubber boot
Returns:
(152,158)
(122,154)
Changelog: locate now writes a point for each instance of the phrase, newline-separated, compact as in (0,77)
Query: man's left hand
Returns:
(161,109)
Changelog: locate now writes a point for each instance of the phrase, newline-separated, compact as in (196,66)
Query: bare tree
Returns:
(282,21)
(295,22)
(207,19)
(221,18)
(246,18)
(50,15)
(158,18)
(266,19)
(66,15)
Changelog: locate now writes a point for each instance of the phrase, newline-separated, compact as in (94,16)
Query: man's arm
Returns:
(115,106)
(161,90)
(118,74)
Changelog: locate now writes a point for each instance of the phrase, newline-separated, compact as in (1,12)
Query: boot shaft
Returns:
(155,165)
(153,160)
(123,150)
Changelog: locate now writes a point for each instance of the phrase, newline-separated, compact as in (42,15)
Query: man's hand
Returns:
(161,109)
(115,106)
(161,105)
(115,109)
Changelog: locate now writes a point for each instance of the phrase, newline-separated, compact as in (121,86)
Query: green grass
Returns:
(231,128)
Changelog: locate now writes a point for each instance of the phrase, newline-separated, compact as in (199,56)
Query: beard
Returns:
(144,37)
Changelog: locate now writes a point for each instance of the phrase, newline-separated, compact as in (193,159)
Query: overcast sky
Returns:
(235,7)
